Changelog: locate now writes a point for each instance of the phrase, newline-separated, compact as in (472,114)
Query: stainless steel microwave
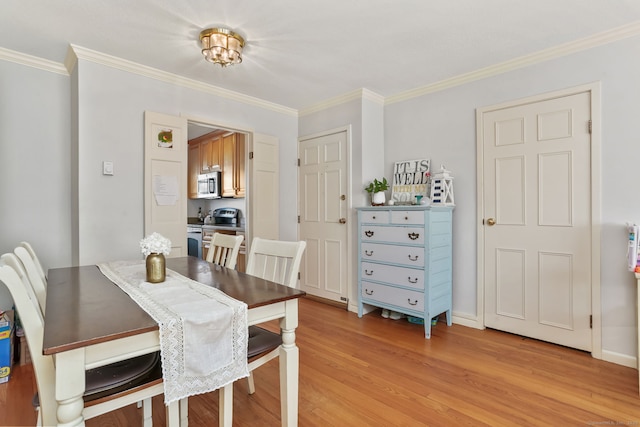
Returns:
(209,186)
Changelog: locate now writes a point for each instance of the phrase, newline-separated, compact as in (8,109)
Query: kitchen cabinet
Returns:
(404,260)
(210,153)
(233,165)
(204,156)
(193,170)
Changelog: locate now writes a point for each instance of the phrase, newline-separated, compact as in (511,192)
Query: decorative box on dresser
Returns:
(405,260)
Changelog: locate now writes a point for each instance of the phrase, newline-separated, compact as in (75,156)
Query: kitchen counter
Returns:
(223,227)
(237,228)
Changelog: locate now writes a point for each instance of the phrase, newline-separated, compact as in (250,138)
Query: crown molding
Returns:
(32,61)
(143,70)
(596,40)
(357,94)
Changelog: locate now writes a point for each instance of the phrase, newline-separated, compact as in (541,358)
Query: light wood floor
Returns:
(380,372)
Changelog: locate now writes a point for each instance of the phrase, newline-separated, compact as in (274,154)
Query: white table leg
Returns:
(172,411)
(289,366)
(225,406)
(70,386)
(184,412)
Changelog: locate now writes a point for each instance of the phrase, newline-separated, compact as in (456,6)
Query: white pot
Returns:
(378,198)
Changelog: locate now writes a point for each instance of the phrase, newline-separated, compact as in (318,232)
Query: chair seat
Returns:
(123,375)
(120,376)
(262,341)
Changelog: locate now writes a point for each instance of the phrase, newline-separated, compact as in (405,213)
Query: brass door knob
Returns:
(491,222)
(342,220)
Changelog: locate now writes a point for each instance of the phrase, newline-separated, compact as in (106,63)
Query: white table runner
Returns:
(203,332)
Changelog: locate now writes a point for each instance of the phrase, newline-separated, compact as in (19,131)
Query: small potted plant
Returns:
(376,189)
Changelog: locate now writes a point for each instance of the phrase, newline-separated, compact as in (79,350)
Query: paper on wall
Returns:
(166,190)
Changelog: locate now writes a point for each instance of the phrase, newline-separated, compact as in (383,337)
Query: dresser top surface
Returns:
(405,208)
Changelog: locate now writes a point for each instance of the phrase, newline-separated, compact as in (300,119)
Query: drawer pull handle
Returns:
(412,303)
(406,218)
(414,258)
(374,217)
(412,281)
(368,292)
(413,236)
(368,253)
(368,233)
(368,272)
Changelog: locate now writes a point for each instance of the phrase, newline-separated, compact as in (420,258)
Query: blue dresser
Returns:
(405,260)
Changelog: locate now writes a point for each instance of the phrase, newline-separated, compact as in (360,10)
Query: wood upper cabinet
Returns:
(233,165)
(219,150)
(204,157)
(193,170)
(241,159)
(210,152)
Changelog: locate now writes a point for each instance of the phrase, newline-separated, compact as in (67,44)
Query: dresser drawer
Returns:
(412,235)
(407,217)
(407,277)
(375,217)
(411,300)
(406,255)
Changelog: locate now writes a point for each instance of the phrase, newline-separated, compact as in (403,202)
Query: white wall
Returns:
(34,164)
(111,116)
(365,119)
(441,126)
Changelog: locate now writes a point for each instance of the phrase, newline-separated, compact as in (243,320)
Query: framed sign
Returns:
(410,178)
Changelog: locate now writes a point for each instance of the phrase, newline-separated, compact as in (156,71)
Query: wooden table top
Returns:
(85,308)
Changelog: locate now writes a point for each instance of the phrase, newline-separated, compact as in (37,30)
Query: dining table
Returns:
(91,322)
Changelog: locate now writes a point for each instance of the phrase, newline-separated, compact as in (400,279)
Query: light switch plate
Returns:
(107,168)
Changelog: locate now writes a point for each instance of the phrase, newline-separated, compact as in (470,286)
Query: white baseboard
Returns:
(620,359)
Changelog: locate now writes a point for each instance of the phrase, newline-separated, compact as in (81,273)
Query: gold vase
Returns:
(156,268)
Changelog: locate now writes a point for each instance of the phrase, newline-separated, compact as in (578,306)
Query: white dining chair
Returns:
(35,258)
(278,261)
(95,378)
(108,387)
(224,249)
(34,272)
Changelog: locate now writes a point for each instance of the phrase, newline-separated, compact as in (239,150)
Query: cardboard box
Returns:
(6,347)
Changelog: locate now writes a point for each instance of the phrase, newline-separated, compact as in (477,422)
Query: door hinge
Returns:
(298,162)
(591,321)
(298,275)
(250,155)
(298,219)
(590,126)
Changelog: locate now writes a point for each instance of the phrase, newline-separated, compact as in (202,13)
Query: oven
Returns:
(194,240)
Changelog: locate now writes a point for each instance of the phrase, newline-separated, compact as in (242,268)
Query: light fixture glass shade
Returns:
(221,46)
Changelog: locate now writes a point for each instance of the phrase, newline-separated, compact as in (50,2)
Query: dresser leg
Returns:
(427,328)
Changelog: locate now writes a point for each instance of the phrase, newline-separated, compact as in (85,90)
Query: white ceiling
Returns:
(302,52)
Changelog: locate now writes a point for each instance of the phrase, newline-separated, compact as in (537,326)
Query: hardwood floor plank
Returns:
(380,372)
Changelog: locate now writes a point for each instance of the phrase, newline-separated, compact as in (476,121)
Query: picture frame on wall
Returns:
(410,179)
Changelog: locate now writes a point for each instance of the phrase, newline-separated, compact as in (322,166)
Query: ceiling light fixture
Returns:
(221,46)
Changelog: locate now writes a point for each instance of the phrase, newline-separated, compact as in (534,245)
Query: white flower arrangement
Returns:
(155,243)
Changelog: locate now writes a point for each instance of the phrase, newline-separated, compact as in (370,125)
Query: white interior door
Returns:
(264,171)
(537,256)
(323,214)
(165,179)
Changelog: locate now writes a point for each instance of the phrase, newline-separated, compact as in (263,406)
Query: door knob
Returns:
(491,222)
(342,220)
